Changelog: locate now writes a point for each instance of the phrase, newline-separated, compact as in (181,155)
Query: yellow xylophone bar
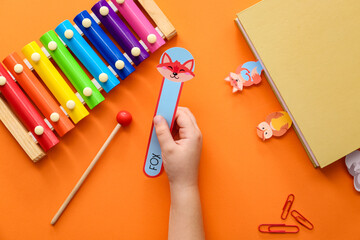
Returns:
(55,82)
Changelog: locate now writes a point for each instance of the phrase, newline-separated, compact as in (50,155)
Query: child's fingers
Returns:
(183,120)
(175,131)
(186,125)
(189,113)
(163,133)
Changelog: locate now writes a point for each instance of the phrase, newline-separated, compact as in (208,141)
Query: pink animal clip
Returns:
(246,75)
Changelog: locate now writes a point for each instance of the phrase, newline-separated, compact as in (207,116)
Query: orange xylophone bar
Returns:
(38,94)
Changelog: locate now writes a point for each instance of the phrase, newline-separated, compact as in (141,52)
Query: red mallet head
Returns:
(124,118)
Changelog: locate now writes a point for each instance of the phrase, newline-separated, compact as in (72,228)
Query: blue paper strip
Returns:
(167,104)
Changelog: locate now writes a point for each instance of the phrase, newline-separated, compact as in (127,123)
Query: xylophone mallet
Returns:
(123,118)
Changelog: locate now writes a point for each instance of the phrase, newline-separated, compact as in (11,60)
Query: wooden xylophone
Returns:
(31,128)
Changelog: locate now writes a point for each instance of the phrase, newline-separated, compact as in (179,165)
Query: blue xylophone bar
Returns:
(104,45)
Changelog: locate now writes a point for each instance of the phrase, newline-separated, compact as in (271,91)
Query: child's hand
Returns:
(180,150)
(181,155)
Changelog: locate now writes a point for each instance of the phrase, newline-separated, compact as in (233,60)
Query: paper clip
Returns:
(302,220)
(278,228)
(287,206)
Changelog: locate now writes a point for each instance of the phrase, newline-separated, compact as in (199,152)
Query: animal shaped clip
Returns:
(352,162)
(176,66)
(276,124)
(246,75)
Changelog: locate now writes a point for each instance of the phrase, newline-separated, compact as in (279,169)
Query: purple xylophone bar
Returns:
(121,33)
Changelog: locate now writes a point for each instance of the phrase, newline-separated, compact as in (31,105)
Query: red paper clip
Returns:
(302,220)
(287,206)
(278,228)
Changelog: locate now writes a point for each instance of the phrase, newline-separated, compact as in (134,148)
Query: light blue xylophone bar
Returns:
(86,55)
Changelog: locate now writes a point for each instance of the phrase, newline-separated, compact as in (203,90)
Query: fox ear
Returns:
(166,58)
(189,64)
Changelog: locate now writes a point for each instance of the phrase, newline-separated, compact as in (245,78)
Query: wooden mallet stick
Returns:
(123,118)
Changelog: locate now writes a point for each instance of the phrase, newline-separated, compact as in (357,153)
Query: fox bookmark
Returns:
(176,66)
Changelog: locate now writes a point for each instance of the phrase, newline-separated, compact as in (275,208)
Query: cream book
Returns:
(310,51)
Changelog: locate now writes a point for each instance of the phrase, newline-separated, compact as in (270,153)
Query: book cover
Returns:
(311,56)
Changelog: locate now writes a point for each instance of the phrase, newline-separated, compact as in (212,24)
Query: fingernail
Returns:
(157,119)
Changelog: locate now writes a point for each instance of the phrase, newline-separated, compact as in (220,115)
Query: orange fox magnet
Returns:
(276,124)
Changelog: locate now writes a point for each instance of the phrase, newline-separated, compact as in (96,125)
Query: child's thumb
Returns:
(163,133)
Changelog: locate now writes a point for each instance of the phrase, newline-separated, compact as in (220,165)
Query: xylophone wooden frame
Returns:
(24,138)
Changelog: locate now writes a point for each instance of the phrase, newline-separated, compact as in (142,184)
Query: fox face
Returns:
(175,71)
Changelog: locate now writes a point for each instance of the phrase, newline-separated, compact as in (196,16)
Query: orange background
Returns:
(243,181)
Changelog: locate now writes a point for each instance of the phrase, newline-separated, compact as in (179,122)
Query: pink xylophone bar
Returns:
(38,129)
